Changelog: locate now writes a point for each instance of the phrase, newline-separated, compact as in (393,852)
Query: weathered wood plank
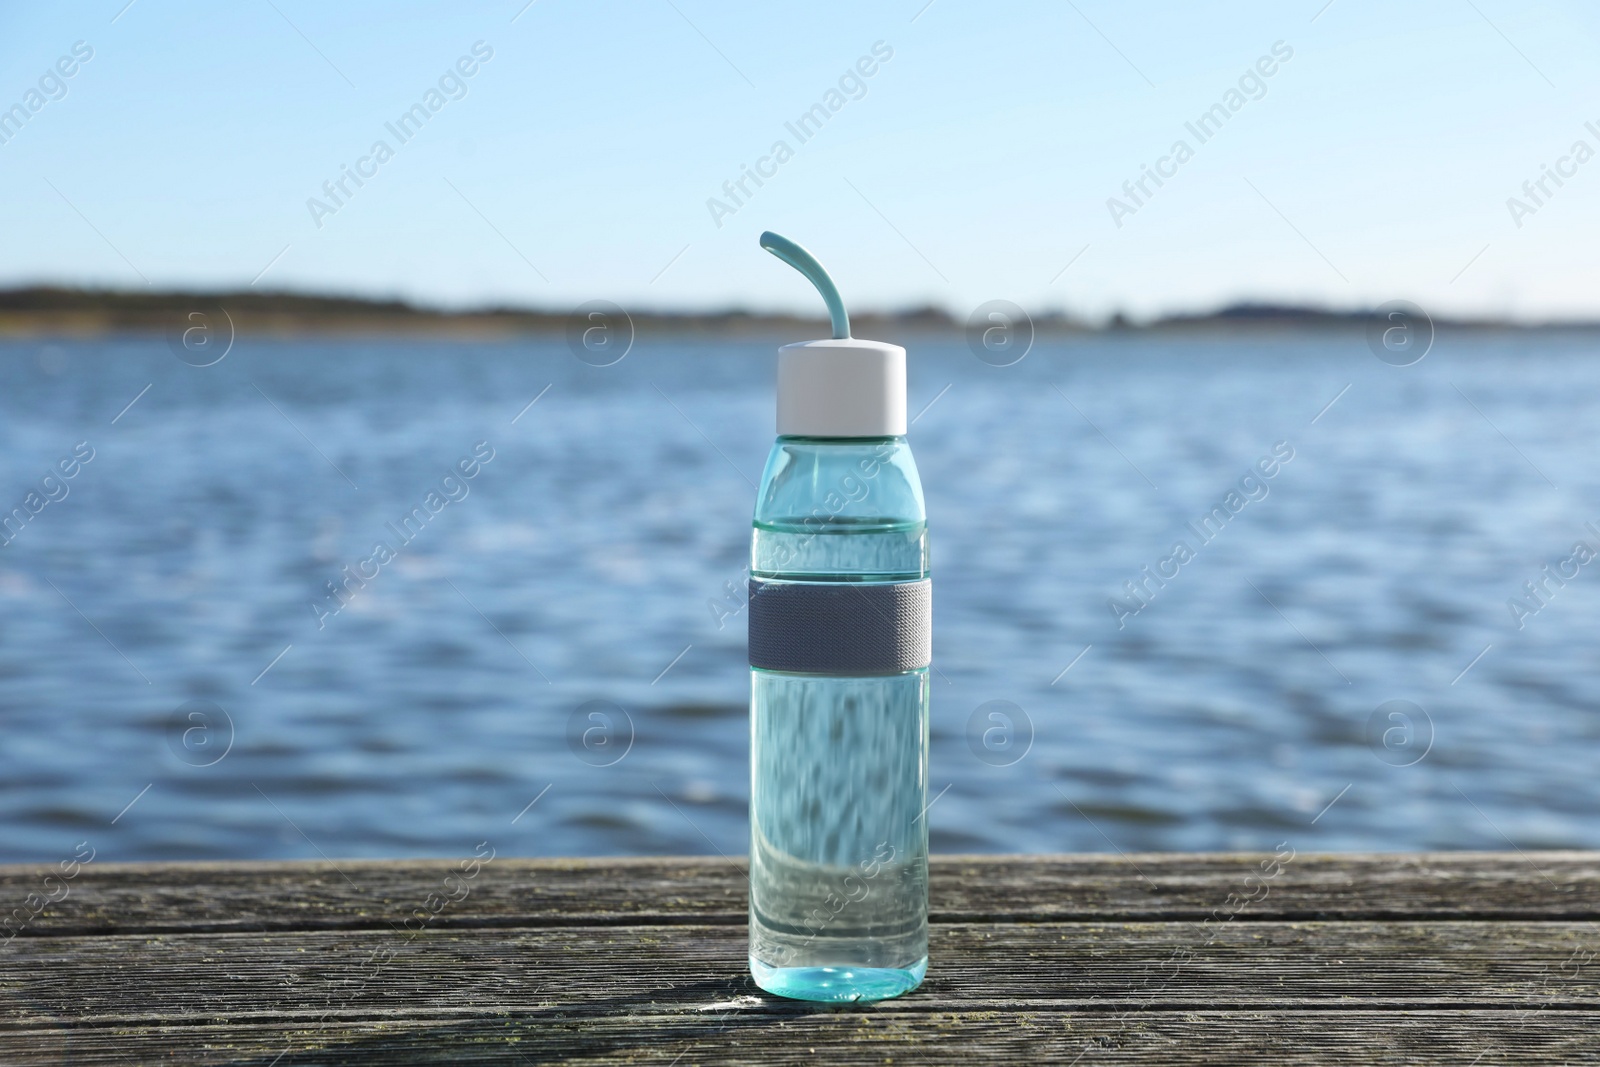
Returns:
(304,976)
(1144,959)
(855,1036)
(515,892)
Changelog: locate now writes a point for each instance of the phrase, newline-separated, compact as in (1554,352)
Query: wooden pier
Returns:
(1461,958)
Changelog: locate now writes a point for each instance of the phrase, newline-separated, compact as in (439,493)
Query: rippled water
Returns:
(552,633)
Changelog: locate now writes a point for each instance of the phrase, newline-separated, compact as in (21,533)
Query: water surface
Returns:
(591,566)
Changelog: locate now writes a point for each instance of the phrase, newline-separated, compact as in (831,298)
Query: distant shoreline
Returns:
(43,311)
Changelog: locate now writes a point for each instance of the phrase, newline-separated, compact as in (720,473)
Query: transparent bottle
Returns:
(841,618)
(839,760)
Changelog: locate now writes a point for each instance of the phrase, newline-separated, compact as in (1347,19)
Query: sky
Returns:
(983,157)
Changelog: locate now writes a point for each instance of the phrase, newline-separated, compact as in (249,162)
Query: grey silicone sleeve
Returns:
(841,627)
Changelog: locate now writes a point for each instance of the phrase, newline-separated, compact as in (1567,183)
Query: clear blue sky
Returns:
(1376,163)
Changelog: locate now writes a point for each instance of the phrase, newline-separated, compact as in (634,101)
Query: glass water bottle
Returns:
(840,639)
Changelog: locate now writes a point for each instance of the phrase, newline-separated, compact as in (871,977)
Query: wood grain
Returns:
(310,975)
(852,1037)
(1460,958)
(355,894)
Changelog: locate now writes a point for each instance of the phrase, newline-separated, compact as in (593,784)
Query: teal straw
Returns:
(807,264)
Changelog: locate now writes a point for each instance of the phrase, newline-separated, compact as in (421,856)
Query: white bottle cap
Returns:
(841,387)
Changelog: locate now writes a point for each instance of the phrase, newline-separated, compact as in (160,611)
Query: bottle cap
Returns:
(842,386)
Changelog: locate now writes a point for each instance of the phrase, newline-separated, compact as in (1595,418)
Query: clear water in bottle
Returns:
(839,765)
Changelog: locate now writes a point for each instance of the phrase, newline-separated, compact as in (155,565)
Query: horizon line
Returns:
(136,308)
